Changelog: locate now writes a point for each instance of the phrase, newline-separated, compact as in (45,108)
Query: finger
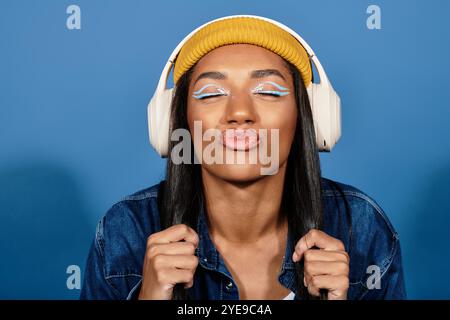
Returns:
(188,262)
(323,255)
(174,248)
(316,238)
(337,286)
(189,284)
(174,233)
(170,277)
(334,268)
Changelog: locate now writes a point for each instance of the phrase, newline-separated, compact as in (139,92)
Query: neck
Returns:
(244,213)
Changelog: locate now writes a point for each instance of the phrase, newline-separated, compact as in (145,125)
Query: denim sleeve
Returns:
(95,285)
(392,284)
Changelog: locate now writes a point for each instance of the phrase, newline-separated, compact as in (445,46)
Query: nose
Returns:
(240,110)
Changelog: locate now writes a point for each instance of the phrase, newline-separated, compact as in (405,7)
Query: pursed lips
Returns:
(240,139)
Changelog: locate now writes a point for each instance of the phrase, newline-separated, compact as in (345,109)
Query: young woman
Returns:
(215,230)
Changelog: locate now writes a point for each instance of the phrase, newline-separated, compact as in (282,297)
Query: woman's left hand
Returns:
(326,267)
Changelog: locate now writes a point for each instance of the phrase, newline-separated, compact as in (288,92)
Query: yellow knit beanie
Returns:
(246,30)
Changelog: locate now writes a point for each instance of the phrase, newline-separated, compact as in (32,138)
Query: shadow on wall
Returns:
(43,229)
(427,260)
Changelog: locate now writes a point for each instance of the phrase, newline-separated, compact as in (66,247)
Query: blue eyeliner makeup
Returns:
(199,95)
(259,89)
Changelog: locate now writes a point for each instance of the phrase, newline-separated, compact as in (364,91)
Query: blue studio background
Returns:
(73,125)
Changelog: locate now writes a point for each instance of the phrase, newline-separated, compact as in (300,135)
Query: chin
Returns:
(236,173)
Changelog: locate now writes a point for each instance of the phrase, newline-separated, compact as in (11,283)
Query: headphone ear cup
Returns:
(158,113)
(336,117)
(325,108)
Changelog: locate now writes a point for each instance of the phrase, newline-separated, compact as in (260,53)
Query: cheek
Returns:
(290,124)
(285,120)
(209,117)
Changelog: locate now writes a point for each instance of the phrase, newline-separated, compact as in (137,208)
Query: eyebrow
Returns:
(211,75)
(256,74)
(266,73)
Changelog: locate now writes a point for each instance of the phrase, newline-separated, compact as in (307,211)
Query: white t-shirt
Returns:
(290,296)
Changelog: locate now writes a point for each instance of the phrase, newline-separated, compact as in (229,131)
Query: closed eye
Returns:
(272,93)
(270,88)
(201,94)
(207,95)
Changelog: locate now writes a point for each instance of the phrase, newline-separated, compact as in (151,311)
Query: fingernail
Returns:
(295,257)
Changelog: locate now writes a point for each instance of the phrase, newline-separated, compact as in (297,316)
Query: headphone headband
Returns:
(162,83)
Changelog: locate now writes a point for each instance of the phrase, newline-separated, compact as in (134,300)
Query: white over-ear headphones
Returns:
(325,103)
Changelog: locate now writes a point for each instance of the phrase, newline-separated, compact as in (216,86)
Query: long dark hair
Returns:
(182,191)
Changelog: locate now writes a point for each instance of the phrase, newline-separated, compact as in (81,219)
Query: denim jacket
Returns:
(114,265)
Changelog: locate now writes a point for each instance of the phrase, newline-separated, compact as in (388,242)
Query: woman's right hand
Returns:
(168,261)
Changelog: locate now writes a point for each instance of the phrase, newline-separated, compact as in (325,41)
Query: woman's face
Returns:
(242,87)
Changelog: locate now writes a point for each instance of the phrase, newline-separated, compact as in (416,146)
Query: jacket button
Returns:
(229,285)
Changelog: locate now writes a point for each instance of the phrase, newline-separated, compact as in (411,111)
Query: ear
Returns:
(158,113)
